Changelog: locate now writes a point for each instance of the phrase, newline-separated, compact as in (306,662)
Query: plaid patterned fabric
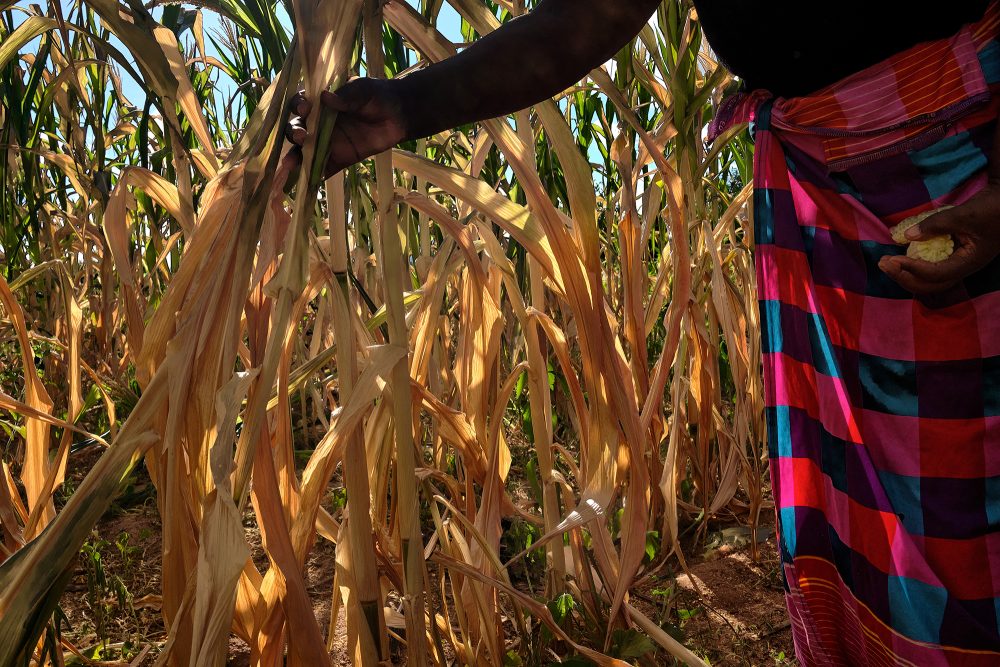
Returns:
(883,409)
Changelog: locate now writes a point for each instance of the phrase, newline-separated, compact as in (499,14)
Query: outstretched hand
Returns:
(975,227)
(370,120)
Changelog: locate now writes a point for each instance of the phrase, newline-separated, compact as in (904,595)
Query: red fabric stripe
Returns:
(962,565)
(963,457)
(788,273)
(842,312)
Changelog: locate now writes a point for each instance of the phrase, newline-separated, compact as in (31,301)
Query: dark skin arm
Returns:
(524,62)
(537,55)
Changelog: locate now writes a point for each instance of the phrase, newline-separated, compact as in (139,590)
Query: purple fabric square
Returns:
(953,508)
(890,185)
(950,389)
(838,262)
(863,483)
(805,435)
(970,623)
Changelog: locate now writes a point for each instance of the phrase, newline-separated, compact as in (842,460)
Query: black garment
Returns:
(794,48)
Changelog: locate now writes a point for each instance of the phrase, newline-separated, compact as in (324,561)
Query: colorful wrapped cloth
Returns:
(883,408)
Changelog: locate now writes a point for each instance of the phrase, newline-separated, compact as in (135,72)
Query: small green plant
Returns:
(665,595)
(652,545)
(129,554)
(512,659)
(108,596)
(781,659)
(518,537)
(626,644)
(685,615)
(338,498)
(97,585)
(562,608)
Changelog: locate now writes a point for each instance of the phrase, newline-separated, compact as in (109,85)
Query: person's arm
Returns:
(524,62)
(527,60)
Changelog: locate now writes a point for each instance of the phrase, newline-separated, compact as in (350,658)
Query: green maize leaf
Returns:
(32,27)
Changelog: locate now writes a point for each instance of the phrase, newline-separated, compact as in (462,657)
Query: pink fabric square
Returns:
(887,328)
(870,227)
(865,110)
(895,441)
(806,208)
(991,447)
(988,321)
(907,560)
(835,410)
(993,552)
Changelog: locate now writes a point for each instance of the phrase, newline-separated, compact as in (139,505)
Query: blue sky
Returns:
(449,23)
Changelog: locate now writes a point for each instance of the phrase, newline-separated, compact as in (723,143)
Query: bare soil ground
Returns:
(726,608)
(731,609)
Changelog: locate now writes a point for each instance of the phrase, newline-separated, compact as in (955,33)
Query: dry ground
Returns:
(730,607)
(727,608)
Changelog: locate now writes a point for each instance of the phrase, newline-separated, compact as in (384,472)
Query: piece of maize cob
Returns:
(933,249)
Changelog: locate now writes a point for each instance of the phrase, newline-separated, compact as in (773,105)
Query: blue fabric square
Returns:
(996,608)
(946,164)
(917,608)
(763,207)
(879,284)
(834,461)
(843,557)
(788,529)
(888,385)
(770,322)
(779,429)
(842,182)
(989,60)
(903,492)
(762,119)
(993,503)
(991,386)
(808,240)
(822,347)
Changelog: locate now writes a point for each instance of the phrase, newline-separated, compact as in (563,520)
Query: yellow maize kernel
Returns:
(933,249)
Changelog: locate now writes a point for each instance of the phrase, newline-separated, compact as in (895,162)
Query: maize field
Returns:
(500,374)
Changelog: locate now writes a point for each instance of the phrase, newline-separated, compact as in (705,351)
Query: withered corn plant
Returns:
(540,326)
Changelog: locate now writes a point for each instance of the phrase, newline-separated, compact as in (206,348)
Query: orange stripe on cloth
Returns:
(816,579)
(896,101)
(919,84)
(987,28)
